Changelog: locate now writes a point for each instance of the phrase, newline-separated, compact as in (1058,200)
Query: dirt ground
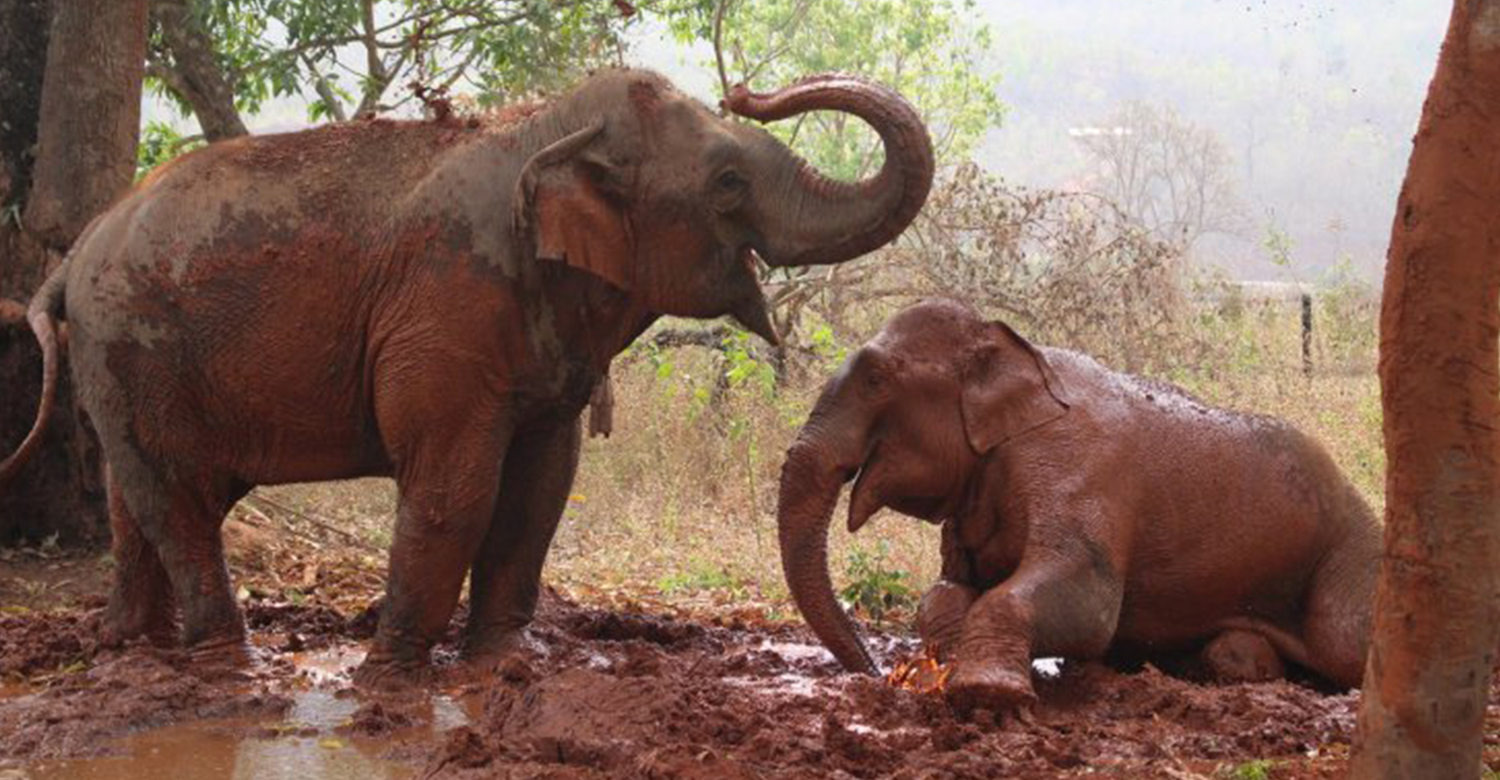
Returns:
(605,688)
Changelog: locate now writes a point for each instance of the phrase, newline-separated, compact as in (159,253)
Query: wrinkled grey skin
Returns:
(1083,511)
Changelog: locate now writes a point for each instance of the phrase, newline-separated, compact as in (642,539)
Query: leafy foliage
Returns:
(356,51)
(920,48)
(875,587)
(160,143)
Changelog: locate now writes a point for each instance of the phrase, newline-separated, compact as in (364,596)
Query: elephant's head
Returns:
(664,199)
(912,413)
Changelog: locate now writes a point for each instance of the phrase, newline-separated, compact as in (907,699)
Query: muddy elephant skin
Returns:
(1083,511)
(430,300)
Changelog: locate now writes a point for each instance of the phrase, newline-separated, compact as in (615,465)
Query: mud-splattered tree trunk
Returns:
(71,92)
(1437,605)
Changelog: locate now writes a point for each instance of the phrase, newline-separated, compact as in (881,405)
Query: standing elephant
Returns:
(1083,511)
(432,301)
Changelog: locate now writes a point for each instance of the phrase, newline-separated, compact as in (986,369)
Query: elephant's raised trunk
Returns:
(821,220)
(810,483)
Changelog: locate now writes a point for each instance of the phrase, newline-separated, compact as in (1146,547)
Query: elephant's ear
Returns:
(563,206)
(1009,389)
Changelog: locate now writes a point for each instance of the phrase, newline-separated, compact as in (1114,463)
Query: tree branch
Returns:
(195,75)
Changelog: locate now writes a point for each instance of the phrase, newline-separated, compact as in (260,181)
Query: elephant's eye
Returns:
(730,189)
(731,181)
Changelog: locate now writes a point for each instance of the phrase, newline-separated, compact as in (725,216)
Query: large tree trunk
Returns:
(90,118)
(1437,606)
(71,86)
(23,59)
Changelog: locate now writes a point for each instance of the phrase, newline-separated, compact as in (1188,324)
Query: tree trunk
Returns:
(90,116)
(1437,605)
(24,25)
(194,73)
(71,87)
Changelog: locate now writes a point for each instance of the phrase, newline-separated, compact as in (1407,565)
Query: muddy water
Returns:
(240,749)
(312,740)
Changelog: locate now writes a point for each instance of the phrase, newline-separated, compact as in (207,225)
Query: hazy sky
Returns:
(1316,102)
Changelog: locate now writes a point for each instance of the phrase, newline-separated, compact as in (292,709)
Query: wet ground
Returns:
(616,693)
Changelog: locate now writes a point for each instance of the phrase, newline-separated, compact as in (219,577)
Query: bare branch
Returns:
(326,93)
(719,11)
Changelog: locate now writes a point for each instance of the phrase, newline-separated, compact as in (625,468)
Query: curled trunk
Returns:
(825,221)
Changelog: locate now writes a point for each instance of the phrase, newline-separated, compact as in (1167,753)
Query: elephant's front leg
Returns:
(507,572)
(1058,603)
(940,617)
(945,606)
(447,484)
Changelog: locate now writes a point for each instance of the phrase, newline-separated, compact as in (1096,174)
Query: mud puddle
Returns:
(595,693)
(305,745)
(141,713)
(322,734)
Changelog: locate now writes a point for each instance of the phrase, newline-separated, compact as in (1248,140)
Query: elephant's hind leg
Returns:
(1336,624)
(140,602)
(506,578)
(179,519)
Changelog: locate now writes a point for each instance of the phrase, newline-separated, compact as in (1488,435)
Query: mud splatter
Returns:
(597,693)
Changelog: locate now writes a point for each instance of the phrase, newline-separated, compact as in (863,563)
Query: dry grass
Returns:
(679,505)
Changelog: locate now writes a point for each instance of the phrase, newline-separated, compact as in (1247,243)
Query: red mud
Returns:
(599,694)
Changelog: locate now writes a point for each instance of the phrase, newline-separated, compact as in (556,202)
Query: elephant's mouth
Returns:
(931,509)
(750,308)
(880,486)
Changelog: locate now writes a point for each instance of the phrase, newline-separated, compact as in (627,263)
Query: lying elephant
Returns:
(429,300)
(1083,511)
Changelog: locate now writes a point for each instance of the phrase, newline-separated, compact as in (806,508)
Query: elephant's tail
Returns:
(42,315)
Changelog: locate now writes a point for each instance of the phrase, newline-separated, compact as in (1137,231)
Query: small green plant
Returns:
(742,368)
(826,346)
(1254,769)
(701,576)
(1278,245)
(875,587)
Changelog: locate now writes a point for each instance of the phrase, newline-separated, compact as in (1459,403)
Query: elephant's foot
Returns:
(226,655)
(486,651)
(986,685)
(1242,656)
(383,670)
(121,625)
(390,675)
